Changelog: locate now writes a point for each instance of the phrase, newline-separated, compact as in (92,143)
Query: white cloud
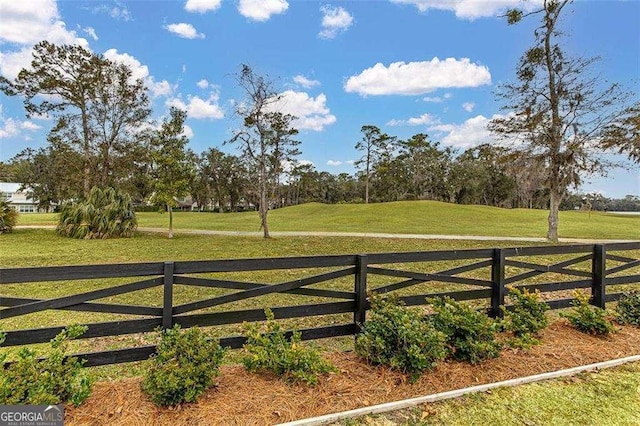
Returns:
(261,10)
(416,78)
(305,82)
(471,9)
(25,23)
(160,88)
(11,127)
(202,6)
(334,163)
(424,119)
(471,133)
(119,11)
(91,32)
(334,21)
(199,108)
(184,30)
(437,99)
(468,106)
(203,84)
(138,70)
(312,113)
(187,131)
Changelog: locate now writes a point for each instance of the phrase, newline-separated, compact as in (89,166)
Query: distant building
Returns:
(18,200)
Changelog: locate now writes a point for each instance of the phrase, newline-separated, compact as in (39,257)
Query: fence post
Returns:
(497,280)
(360,289)
(167,306)
(598,274)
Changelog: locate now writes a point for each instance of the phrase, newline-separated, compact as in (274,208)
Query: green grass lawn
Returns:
(607,398)
(43,247)
(407,217)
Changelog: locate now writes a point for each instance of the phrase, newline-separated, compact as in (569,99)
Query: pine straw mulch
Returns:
(242,398)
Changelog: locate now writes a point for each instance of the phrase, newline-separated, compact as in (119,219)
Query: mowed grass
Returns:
(407,217)
(607,398)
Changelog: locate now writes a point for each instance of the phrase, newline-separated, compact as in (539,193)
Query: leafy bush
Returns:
(183,367)
(8,216)
(273,351)
(527,317)
(52,380)
(471,335)
(398,337)
(587,318)
(628,309)
(106,213)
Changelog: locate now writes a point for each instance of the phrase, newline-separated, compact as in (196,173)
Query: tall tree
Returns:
(558,111)
(374,144)
(68,75)
(98,106)
(266,138)
(172,169)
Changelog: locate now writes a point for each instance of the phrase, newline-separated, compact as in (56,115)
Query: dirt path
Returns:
(356,235)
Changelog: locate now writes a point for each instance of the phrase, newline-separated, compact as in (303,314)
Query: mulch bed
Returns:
(242,398)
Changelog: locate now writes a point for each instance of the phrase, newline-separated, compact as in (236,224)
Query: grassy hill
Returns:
(406,217)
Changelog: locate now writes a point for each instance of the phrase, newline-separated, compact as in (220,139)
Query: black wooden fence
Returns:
(610,265)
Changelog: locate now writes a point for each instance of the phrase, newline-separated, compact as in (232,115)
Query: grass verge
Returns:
(609,397)
(406,217)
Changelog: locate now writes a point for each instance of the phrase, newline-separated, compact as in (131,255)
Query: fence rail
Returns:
(501,267)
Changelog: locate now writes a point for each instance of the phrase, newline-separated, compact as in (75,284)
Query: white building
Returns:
(18,199)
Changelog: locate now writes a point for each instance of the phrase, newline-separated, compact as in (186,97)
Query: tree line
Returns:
(560,121)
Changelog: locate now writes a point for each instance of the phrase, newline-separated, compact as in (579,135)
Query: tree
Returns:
(374,145)
(623,135)
(8,216)
(68,76)
(106,213)
(557,111)
(265,139)
(97,104)
(172,169)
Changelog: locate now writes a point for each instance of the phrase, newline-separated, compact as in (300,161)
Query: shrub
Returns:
(471,335)
(107,213)
(628,309)
(586,318)
(527,317)
(274,352)
(398,337)
(8,216)
(183,367)
(52,380)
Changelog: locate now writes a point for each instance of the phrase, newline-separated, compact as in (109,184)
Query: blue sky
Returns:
(407,66)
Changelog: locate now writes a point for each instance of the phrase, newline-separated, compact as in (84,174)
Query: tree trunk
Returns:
(170,210)
(86,172)
(554,206)
(264,208)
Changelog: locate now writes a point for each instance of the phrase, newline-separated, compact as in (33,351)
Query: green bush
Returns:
(527,316)
(106,213)
(183,367)
(587,318)
(52,380)
(8,216)
(273,351)
(471,335)
(399,338)
(628,309)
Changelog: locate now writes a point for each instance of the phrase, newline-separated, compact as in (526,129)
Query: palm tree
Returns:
(106,213)
(8,216)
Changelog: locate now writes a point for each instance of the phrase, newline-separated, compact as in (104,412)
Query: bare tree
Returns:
(557,110)
(265,139)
